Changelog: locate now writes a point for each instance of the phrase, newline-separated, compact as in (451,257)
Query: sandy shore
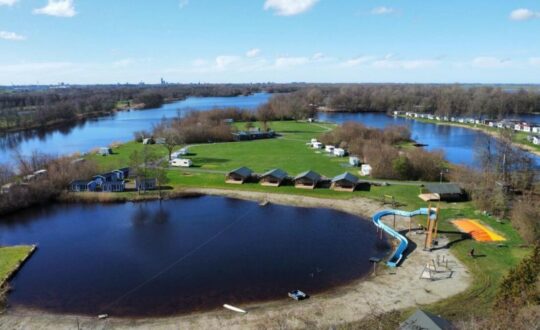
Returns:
(386,291)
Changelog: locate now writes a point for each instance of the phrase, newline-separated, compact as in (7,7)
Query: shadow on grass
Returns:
(207,160)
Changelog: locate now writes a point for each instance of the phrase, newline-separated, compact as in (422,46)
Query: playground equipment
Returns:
(431,230)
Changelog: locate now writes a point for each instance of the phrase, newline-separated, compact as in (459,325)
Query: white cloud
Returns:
(289,7)
(253,52)
(490,62)
(318,57)
(12,36)
(535,61)
(8,2)
(357,61)
(225,61)
(59,8)
(284,62)
(389,63)
(382,10)
(523,14)
(183,3)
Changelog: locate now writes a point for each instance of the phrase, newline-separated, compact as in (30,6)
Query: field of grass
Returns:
(290,153)
(10,257)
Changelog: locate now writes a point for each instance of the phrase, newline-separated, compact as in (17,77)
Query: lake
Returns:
(185,255)
(119,127)
(458,143)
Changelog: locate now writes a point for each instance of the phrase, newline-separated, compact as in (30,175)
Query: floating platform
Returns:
(477,230)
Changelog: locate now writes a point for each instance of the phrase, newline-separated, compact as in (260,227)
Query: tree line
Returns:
(444,100)
(34,109)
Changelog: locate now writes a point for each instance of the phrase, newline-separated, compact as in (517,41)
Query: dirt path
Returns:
(389,289)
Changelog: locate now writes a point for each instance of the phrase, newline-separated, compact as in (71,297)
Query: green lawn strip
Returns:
(10,259)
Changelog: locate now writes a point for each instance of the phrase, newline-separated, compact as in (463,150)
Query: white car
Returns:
(181,162)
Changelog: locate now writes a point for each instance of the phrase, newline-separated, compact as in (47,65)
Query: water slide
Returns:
(403,242)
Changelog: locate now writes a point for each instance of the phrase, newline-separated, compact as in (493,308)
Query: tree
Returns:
(172,139)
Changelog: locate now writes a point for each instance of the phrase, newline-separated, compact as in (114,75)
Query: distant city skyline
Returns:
(241,41)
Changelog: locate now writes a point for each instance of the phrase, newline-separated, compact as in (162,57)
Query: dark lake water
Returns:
(92,133)
(153,259)
(457,143)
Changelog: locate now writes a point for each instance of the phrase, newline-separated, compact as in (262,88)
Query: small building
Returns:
(329,149)
(535,129)
(425,320)
(446,191)
(253,134)
(365,170)
(114,186)
(78,185)
(344,182)
(307,180)
(536,140)
(339,152)
(146,184)
(273,178)
(239,176)
(354,161)
(148,141)
(105,151)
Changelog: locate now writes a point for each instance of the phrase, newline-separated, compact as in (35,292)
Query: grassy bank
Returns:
(11,259)
(290,153)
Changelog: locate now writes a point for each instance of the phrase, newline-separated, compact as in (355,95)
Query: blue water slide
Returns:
(403,242)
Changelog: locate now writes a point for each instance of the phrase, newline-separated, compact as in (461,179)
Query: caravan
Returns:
(181,162)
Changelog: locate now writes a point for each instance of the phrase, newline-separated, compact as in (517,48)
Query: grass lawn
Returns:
(10,257)
(290,153)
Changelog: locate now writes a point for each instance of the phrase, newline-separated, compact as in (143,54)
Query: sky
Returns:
(237,41)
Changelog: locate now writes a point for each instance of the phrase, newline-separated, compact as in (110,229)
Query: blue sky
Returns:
(109,41)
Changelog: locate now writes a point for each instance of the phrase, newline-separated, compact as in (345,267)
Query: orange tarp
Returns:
(477,230)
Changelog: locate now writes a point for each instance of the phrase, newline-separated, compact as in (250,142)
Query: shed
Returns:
(239,176)
(273,178)
(307,180)
(146,184)
(425,320)
(354,161)
(105,151)
(344,182)
(78,185)
(446,191)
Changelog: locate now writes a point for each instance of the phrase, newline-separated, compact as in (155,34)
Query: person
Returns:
(471,253)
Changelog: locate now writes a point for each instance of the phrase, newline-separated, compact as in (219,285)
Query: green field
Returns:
(290,153)
(10,257)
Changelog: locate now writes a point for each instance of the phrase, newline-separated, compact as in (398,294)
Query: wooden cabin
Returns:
(307,180)
(273,178)
(239,176)
(344,182)
(446,191)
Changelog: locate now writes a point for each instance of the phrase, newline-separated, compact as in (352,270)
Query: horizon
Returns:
(47,42)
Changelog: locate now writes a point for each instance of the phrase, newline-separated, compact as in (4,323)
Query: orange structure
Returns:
(477,230)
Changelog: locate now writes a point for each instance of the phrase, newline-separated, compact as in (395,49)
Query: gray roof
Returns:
(313,176)
(242,171)
(443,188)
(425,320)
(347,177)
(276,173)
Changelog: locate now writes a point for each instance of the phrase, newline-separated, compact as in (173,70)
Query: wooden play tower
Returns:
(431,226)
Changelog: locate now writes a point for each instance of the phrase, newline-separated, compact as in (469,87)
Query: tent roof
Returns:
(276,173)
(242,171)
(313,176)
(346,177)
(443,188)
(425,320)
